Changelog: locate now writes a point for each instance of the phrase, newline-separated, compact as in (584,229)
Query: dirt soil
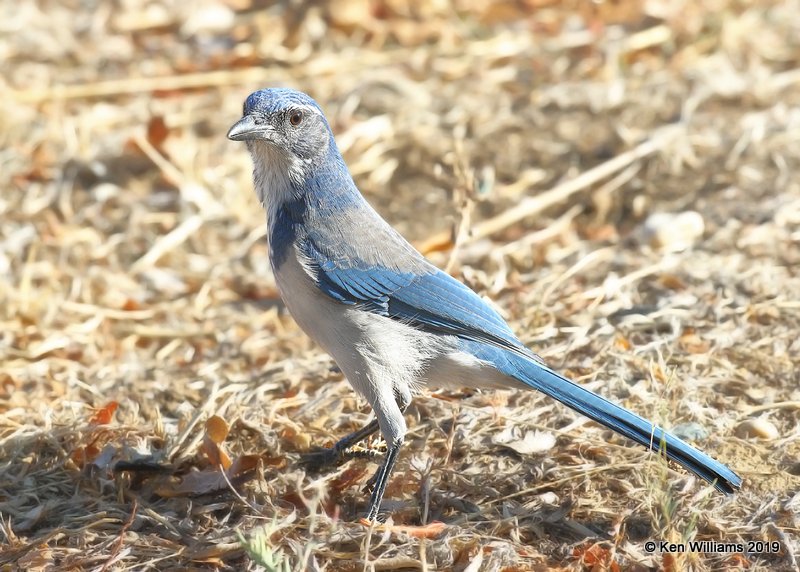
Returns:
(620,178)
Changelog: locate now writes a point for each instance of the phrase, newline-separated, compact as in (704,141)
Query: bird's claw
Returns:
(323,457)
(358,452)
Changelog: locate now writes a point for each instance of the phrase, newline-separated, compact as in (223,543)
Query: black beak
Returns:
(246,129)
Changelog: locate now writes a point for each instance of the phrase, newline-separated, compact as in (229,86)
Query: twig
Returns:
(142,85)
(768,406)
(169,241)
(120,538)
(170,171)
(630,278)
(395,563)
(550,231)
(237,494)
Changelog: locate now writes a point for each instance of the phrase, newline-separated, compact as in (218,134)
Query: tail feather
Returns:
(624,422)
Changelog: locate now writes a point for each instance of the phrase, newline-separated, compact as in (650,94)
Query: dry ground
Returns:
(133,271)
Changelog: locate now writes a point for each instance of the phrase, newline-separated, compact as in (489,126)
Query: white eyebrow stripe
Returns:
(304,107)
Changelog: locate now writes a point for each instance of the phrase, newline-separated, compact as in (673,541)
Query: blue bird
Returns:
(391,320)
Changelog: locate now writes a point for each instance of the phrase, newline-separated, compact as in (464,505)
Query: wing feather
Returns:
(431,300)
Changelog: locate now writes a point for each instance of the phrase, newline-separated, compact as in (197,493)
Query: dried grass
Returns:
(133,270)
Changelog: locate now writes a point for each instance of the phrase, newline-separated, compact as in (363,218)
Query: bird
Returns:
(391,320)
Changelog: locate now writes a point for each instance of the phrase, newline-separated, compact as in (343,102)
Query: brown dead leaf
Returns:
(217,429)
(658,373)
(196,483)
(348,478)
(693,343)
(294,499)
(215,554)
(430,531)
(437,243)
(81,456)
(104,415)
(605,232)
(193,484)
(623,343)
(672,281)
(130,305)
(301,440)
(157,131)
(216,432)
(277,462)
(596,556)
(242,465)
(668,562)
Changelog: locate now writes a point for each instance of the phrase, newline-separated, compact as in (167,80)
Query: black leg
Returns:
(341,450)
(377,483)
(381,479)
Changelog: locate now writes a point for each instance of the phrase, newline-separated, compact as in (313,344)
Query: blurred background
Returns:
(619,176)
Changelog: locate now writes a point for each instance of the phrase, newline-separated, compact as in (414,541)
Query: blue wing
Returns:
(422,296)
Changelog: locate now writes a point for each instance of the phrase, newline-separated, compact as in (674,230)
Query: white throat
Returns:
(275,176)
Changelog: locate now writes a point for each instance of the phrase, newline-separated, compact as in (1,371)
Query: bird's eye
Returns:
(296,118)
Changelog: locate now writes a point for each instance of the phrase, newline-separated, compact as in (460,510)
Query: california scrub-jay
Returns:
(392,321)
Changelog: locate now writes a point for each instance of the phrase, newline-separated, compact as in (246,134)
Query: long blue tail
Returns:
(624,422)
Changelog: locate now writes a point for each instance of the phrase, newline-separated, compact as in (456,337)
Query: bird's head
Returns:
(285,129)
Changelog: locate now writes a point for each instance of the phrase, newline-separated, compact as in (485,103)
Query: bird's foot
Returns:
(321,458)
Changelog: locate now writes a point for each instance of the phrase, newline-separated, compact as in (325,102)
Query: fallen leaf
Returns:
(216,553)
(7,384)
(596,555)
(242,465)
(350,476)
(300,440)
(198,483)
(623,343)
(672,281)
(441,242)
(194,483)
(216,432)
(130,305)
(693,343)
(104,415)
(533,442)
(81,456)
(429,531)
(157,131)
(217,429)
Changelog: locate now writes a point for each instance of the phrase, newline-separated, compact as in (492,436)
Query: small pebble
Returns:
(674,232)
(758,429)
(210,19)
(549,497)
